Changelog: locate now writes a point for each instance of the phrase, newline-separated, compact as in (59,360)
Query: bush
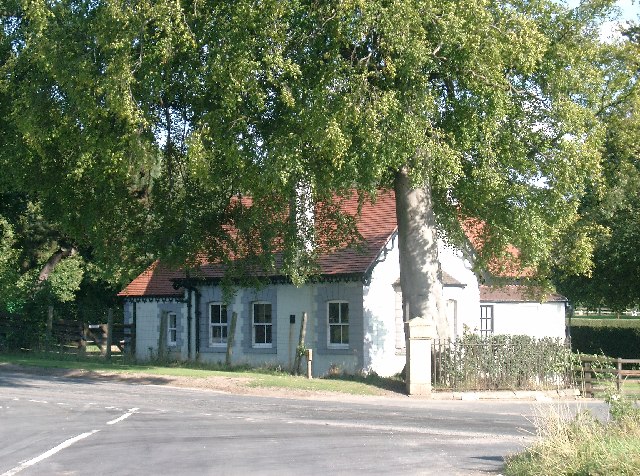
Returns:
(502,362)
(612,338)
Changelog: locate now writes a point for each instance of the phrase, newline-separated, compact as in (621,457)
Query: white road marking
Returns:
(120,418)
(51,452)
(38,401)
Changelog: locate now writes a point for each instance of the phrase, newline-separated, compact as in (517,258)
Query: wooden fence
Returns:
(64,333)
(597,373)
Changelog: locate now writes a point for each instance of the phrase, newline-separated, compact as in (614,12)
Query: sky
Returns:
(629,10)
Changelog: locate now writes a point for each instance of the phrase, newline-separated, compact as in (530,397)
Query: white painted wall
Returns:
(529,318)
(468,297)
(379,304)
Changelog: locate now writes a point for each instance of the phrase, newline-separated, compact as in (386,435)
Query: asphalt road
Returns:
(64,426)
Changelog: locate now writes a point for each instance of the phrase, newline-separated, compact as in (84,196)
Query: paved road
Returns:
(55,426)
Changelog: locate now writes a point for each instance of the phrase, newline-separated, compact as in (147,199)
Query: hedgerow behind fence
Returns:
(501,362)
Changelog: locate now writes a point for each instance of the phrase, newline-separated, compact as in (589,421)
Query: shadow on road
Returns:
(13,376)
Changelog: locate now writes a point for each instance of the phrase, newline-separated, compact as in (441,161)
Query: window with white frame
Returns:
(262,325)
(172,329)
(486,321)
(338,324)
(218,323)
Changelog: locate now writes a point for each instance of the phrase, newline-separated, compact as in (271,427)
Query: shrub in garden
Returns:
(502,362)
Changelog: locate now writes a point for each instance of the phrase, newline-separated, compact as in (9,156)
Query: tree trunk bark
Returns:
(420,276)
(53,261)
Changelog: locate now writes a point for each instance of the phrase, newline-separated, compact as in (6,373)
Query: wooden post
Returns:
(83,339)
(162,338)
(619,374)
(107,354)
(309,355)
(587,380)
(303,332)
(231,337)
(49,328)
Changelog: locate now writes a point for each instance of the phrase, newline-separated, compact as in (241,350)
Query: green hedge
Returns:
(613,338)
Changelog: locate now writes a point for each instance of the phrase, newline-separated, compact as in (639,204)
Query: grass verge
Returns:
(583,445)
(252,378)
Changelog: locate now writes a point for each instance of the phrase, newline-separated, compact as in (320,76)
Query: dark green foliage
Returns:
(614,340)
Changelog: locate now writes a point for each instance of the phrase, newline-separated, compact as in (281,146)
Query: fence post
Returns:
(83,339)
(309,355)
(588,389)
(619,374)
(107,354)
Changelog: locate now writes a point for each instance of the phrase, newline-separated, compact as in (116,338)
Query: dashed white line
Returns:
(120,418)
(38,401)
(51,452)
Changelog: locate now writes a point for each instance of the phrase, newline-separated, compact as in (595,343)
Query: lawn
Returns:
(251,378)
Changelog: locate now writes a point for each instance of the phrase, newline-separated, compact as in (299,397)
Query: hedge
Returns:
(614,338)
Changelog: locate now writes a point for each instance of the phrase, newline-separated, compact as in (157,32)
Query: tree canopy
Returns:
(136,123)
(614,281)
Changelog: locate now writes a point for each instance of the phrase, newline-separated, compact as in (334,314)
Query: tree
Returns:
(614,208)
(142,118)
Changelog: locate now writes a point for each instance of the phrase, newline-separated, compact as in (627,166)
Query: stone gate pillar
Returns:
(419,335)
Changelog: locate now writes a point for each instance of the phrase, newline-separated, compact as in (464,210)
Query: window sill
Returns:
(338,347)
(260,350)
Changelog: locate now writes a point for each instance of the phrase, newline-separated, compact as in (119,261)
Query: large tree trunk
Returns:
(420,277)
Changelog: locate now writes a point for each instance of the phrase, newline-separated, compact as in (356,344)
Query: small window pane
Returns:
(335,335)
(223,314)
(334,312)
(344,311)
(260,335)
(267,312)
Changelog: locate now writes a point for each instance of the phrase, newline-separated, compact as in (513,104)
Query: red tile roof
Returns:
(376,224)
(155,281)
(516,293)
